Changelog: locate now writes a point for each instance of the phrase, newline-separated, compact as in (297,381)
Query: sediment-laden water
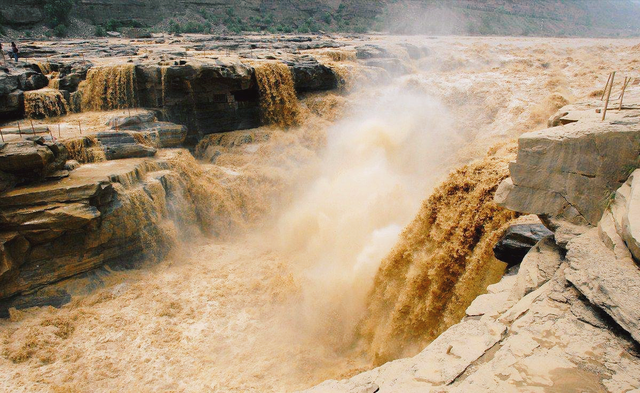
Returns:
(320,257)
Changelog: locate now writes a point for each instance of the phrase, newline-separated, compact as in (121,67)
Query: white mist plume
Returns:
(378,166)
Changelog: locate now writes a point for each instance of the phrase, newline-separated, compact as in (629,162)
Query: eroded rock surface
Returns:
(111,212)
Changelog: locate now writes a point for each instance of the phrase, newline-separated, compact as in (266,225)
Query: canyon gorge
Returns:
(335,213)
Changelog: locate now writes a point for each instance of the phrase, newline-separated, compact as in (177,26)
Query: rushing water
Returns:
(308,274)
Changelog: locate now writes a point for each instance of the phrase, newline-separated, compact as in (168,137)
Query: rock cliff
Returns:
(122,211)
(547,17)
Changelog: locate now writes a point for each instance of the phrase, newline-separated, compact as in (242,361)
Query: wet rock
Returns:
(165,134)
(61,216)
(7,181)
(33,81)
(71,74)
(127,121)
(538,266)
(309,75)
(78,223)
(393,66)
(518,240)
(71,165)
(11,98)
(371,52)
(8,83)
(129,150)
(206,98)
(32,159)
(119,145)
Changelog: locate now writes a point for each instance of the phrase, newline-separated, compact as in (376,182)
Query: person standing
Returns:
(14,51)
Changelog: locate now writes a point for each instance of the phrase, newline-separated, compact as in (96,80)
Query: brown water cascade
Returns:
(278,100)
(44,103)
(444,259)
(108,88)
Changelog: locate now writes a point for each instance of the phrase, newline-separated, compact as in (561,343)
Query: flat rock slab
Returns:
(86,182)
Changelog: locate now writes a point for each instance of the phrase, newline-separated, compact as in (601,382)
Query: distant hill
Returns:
(611,18)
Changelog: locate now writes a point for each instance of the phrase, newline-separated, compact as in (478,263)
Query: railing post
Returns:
(606,103)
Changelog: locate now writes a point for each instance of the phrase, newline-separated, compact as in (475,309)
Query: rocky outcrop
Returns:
(609,282)
(115,212)
(144,126)
(567,175)
(309,75)
(119,145)
(33,159)
(205,98)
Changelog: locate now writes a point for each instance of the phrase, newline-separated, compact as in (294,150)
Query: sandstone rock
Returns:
(56,215)
(489,304)
(7,181)
(610,283)
(71,165)
(371,52)
(205,98)
(12,104)
(309,75)
(538,266)
(33,159)
(121,144)
(128,150)
(8,83)
(450,354)
(32,81)
(627,213)
(13,248)
(71,74)
(568,172)
(165,134)
(126,121)
(99,214)
(550,338)
(518,240)
(157,133)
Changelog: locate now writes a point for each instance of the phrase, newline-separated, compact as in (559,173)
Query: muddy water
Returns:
(278,301)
